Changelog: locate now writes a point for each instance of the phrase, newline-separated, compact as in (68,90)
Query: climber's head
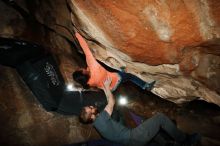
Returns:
(82,76)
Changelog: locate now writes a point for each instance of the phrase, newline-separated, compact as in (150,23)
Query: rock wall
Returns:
(176,43)
(173,42)
(23,120)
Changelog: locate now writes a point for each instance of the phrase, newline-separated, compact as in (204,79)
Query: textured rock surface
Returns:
(24,121)
(173,42)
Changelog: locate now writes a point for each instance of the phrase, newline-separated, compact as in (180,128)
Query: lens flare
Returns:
(122,100)
(70,87)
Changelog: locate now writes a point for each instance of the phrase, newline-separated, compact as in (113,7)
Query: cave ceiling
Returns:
(175,43)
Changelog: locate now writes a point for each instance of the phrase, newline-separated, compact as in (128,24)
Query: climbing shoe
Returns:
(149,86)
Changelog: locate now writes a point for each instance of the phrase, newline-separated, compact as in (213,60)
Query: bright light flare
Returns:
(70,87)
(122,100)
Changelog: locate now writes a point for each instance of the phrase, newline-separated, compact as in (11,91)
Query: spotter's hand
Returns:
(107,82)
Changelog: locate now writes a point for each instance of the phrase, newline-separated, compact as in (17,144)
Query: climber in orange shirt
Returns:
(95,74)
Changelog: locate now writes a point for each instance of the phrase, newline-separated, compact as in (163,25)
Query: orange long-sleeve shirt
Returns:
(98,74)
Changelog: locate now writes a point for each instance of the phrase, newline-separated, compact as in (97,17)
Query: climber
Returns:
(39,70)
(95,74)
(142,134)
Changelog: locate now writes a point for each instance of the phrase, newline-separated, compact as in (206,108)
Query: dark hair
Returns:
(81,78)
(84,117)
